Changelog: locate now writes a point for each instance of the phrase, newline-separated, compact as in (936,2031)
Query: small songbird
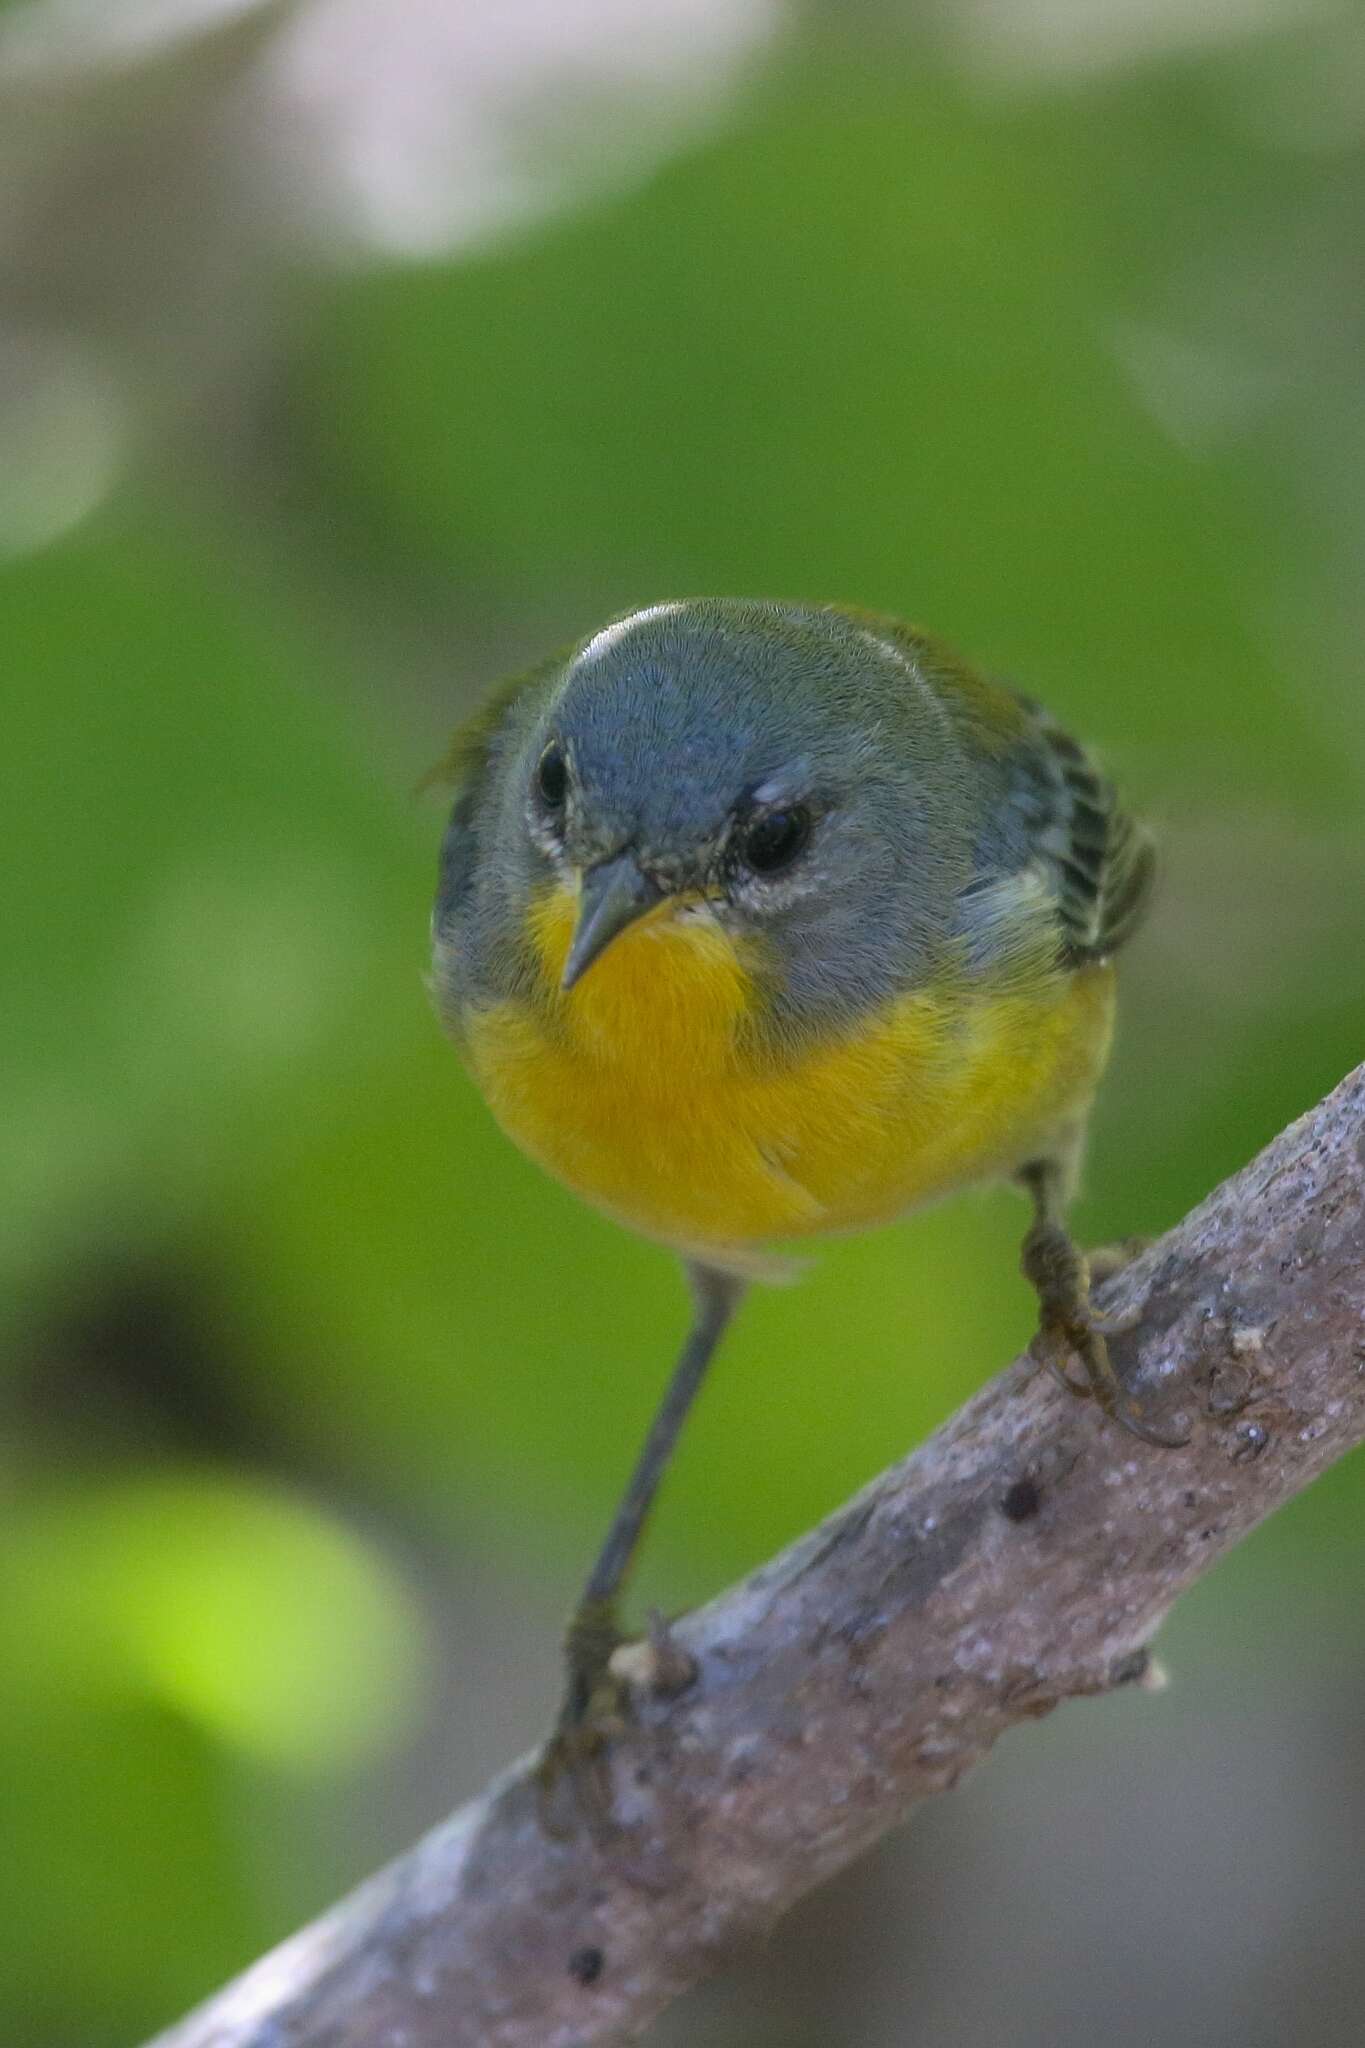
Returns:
(758,921)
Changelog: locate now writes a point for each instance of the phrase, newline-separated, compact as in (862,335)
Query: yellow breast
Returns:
(643,1090)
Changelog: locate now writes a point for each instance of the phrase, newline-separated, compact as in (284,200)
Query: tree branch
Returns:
(1022,1557)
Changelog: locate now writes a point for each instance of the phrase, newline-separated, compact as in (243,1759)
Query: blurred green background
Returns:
(1036,322)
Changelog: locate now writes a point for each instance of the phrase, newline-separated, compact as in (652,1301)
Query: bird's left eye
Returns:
(775,840)
(552,776)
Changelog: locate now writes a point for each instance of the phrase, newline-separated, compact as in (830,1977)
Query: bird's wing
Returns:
(464,770)
(1097,861)
(1059,866)
(467,756)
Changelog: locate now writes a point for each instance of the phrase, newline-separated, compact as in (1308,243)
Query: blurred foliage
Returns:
(889,335)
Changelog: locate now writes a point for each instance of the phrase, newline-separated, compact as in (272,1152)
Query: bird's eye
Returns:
(552,776)
(773,841)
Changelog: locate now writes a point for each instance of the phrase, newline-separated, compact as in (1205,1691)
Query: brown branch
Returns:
(1022,1557)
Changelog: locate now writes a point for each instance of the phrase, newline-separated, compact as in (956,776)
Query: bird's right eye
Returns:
(775,839)
(552,777)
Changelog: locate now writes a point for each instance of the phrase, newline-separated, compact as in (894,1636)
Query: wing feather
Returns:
(465,770)
(1097,859)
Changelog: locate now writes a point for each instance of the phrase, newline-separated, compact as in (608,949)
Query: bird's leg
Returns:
(594,1703)
(1068,1326)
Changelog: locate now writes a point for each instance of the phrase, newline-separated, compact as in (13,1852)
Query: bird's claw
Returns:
(573,1772)
(606,1671)
(595,1710)
(1103,1261)
(1079,1335)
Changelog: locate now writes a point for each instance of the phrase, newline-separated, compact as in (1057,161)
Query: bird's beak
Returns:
(613,895)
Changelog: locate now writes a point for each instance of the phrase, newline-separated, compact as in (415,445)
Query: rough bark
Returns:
(1022,1557)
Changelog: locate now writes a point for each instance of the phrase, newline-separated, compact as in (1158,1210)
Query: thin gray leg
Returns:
(593,1632)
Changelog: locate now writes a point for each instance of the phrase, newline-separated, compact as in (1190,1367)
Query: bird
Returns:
(762,921)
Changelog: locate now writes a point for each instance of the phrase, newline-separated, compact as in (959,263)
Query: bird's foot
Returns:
(1103,1261)
(606,1670)
(1080,1337)
(573,1772)
(1071,1330)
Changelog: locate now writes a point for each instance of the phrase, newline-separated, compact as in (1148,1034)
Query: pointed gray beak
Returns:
(614,894)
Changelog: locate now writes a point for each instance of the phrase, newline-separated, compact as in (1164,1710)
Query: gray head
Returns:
(786,772)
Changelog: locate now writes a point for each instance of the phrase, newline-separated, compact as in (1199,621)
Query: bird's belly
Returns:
(657,1115)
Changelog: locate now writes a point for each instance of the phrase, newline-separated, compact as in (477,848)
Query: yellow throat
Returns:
(644,1091)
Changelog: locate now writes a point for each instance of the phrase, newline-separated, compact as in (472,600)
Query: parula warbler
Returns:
(757,921)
